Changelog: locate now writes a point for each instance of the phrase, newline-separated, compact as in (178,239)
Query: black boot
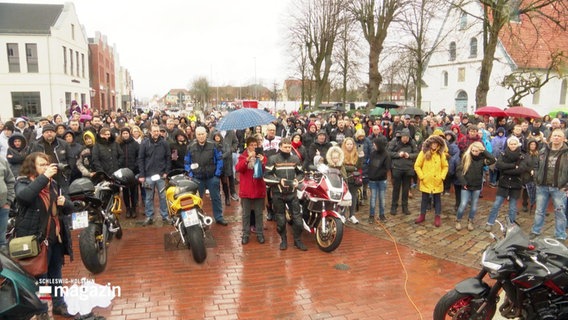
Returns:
(128,213)
(133,213)
(283,242)
(227,201)
(405,210)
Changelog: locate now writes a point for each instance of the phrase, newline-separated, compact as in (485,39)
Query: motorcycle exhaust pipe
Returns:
(207,220)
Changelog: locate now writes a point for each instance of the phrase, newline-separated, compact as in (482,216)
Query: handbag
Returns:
(257,174)
(37,265)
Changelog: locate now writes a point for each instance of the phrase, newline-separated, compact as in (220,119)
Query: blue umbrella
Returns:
(244,118)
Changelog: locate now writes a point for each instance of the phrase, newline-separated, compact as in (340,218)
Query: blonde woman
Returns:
(136,133)
(470,175)
(352,164)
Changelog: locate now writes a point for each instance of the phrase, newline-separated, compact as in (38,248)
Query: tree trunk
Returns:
(375,77)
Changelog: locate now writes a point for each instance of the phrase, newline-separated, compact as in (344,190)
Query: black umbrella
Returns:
(387,105)
(413,111)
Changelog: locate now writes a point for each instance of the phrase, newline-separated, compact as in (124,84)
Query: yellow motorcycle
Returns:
(186,213)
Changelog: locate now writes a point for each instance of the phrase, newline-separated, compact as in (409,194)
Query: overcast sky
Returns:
(168,43)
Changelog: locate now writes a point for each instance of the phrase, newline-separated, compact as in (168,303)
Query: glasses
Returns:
(43,164)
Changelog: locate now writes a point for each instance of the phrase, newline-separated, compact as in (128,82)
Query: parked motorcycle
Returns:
(18,292)
(324,197)
(97,208)
(532,274)
(185,210)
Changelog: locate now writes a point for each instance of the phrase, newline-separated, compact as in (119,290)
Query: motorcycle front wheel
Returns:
(455,305)
(196,242)
(331,239)
(92,245)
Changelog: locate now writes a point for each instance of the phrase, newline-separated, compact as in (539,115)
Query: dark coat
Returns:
(33,216)
(130,149)
(15,156)
(107,155)
(379,160)
(473,177)
(512,165)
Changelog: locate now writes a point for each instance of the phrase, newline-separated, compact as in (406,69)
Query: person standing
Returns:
(551,178)
(130,150)
(353,165)
(378,167)
(154,163)
(431,167)
(17,152)
(7,197)
(470,174)
(107,155)
(252,190)
(403,152)
(204,163)
(511,165)
(41,205)
(283,171)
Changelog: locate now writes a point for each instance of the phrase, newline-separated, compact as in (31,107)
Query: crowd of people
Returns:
(433,153)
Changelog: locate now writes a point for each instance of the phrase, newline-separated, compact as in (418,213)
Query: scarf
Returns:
(296,145)
(45,197)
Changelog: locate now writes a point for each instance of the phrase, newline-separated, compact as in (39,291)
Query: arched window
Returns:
(473,47)
(444,78)
(452,51)
(463,20)
(563,89)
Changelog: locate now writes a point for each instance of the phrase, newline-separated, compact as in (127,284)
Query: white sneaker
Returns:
(353,220)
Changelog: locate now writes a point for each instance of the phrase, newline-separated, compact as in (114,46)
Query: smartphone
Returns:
(258,150)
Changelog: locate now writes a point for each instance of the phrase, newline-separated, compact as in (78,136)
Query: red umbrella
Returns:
(491,111)
(522,112)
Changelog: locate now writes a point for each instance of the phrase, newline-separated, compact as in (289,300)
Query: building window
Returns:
(452,51)
(563,89)
(514,14)
(64,60)
(445,78)
(473,48)
(461,74)
(463,20)
(82,65)
(31,57)
(71,62)
(536,97)
(26,104)
(77,61)
(13,57)
(73,31)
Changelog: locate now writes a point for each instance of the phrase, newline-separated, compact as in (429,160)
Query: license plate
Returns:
(190,217)
(80,220)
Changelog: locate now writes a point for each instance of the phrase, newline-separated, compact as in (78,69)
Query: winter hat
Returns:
(438,132)
(405,133)
(48,127)
(501,129)
(20,120)
(312,124)
(124,129)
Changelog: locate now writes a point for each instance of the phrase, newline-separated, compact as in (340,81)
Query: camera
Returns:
(61,166)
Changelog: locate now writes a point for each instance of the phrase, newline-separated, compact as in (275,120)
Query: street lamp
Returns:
(92,92)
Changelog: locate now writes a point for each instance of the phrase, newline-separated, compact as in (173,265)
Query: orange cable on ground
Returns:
(403,267)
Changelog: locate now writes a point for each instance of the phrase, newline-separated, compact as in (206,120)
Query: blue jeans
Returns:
(4,213)
(378,190)
(466,195)
(497,205)
(212,184)
(149,201)
(543,194)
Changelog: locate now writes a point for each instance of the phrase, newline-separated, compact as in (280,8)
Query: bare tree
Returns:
(375,19)
(316,23)
(419,21)
(200,89)
(347,55)
(496,16)
(525,82)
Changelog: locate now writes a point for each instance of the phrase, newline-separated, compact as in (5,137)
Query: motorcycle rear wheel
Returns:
(93,252)
(455,305)
(332,238)
(196,242)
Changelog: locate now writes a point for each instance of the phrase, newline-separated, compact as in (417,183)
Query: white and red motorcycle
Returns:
(324,197)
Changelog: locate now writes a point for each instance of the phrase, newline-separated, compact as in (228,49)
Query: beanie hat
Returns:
(48,127)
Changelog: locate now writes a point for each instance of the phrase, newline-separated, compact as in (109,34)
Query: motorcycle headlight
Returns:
(335,195)
(489,265)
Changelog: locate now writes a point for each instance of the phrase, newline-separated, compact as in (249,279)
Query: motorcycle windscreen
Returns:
(335,179)
(18,292)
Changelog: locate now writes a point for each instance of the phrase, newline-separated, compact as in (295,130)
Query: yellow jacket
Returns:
(431,172)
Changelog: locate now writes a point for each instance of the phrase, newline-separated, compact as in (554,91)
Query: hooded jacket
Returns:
(107,155)
(130,149)
(379,160)
(432,171)
(178,151)
(15,156)
(472,179)
(85,161)
(403,164)
(512,165)
(250,188)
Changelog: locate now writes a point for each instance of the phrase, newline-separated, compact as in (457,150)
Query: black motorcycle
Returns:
(18,292)
(532,274)
(98,205)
